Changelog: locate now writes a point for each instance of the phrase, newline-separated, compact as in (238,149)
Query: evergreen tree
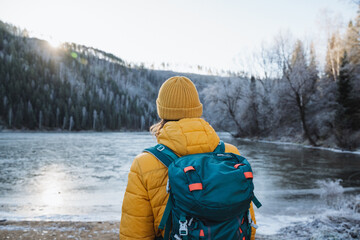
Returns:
(344,87)
(253,108)
(348,113)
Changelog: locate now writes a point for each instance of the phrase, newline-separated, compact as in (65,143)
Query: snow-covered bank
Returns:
(327,226)
(49,230)
(58,230)
(300,144)
(59,130)
(337,218)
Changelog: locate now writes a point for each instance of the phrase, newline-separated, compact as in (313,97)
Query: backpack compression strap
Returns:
(256,202)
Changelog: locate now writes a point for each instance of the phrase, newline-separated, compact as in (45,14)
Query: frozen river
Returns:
(82,177)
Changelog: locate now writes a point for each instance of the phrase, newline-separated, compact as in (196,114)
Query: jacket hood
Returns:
(189,136)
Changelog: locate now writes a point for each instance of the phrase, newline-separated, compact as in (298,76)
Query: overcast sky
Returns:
(196,32)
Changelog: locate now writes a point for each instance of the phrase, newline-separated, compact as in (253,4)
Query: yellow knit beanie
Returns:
(178,98)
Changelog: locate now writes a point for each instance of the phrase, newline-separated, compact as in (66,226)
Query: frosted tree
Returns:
(5,102)
(224,98)
(344,90)
(352,46)
(348,113)
(71,123)
(266,84)
(64,122)
(30,116)
(331,26)
(102,120)
(334,52)
(40,119)
(83,117)
(352,41)
(94,119)
(299,81)
(252,112)
(142,123)
(19,114)
(10,116)
(57,117)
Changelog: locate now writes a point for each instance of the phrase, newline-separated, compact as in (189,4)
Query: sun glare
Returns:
(52,195)
(54,42)
(52,188)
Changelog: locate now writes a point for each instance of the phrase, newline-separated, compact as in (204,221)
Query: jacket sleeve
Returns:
(137,220)
(233,149)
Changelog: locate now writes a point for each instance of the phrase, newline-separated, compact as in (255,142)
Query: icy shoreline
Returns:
(319,228)
(337,150)
(278,142)
(338,218)
(58,230)
(69,230)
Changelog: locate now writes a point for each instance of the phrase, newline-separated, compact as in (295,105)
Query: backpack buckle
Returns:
(183,229)
(160,148)
(251,221)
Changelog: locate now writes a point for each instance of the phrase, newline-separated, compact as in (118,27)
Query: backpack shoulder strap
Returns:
(162,153)
(166,156)
(220,148)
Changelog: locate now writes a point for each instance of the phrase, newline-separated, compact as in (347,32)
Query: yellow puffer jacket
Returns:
(145,197)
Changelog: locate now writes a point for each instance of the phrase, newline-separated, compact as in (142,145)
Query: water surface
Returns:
(83,176)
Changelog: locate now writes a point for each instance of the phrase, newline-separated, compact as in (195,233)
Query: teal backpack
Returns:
(210,195)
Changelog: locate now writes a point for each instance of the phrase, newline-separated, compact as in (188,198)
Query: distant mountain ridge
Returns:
(74,87)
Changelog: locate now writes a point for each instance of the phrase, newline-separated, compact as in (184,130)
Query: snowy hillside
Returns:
(75,87)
